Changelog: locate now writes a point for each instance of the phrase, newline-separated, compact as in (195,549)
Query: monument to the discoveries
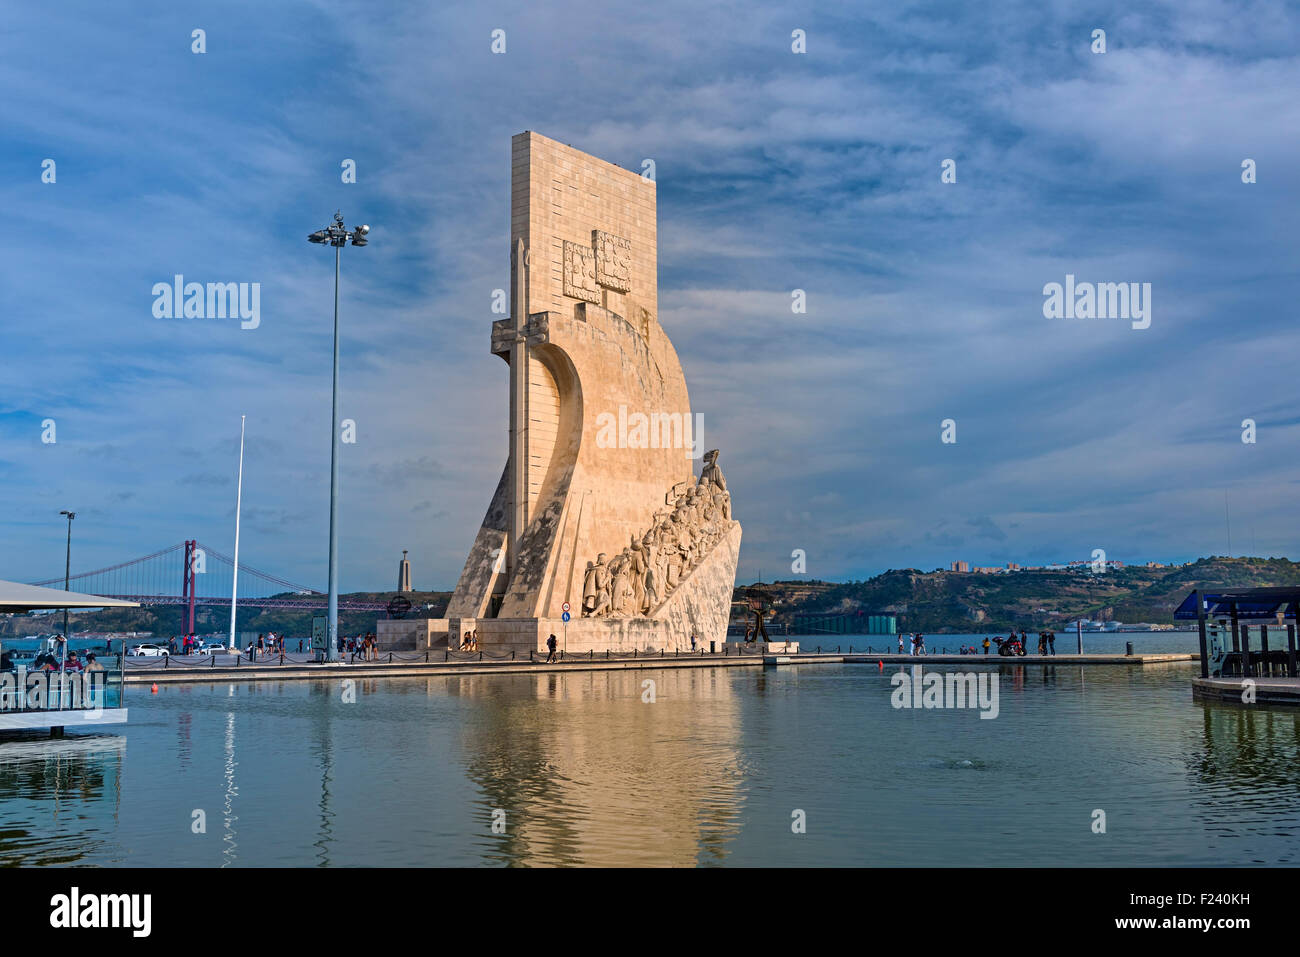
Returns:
(598,506)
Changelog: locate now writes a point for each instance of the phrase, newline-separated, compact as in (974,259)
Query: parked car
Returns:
(148,651)
(214,649)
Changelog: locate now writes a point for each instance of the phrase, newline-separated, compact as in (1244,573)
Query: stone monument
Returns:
(598,512)
(404,574)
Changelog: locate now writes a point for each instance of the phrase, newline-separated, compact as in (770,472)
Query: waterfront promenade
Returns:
(190,669)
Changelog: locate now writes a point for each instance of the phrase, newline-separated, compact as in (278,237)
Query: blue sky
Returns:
(775,171)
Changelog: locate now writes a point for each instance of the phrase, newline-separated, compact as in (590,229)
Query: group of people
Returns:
(364,645)
(1046,643)
(267,644)
(915,644)
(469,641)
(645,573)
(58,657)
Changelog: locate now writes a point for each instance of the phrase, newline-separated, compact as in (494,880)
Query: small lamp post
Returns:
(67,576)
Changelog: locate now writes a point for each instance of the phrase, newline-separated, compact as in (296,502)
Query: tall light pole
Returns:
(239,501)
(67,571)
(338,236)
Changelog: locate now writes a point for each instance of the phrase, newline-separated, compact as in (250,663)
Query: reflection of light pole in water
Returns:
(336,235)
(326,752)
(232,791)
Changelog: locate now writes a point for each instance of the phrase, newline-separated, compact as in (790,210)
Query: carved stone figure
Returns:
(620,599)
(602,587)
(722,500)
(653,576)
(589,590)
(638,574)
(711,474)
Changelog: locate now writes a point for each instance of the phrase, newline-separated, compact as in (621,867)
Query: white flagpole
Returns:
(239,495)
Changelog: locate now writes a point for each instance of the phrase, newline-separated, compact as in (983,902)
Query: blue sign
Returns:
(565,617)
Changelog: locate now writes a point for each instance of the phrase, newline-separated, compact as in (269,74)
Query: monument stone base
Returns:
(699,606)
(410,634)
(766,647)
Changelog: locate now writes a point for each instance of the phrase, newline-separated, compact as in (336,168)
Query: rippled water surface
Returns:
(585,771)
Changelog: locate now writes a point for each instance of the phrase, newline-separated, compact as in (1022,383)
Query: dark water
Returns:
(586,772)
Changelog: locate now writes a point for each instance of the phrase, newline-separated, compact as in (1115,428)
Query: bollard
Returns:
(512,654)
(390,657)
(1128,649)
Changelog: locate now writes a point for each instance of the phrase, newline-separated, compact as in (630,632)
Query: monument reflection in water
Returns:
(604,767)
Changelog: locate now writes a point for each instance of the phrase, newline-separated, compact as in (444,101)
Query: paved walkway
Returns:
(205,670)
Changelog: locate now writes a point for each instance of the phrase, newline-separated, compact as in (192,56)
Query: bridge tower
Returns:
(187,587)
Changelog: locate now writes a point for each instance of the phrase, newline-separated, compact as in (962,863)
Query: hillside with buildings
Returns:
(1030,598)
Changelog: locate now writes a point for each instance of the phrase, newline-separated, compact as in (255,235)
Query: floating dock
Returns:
(1266,691)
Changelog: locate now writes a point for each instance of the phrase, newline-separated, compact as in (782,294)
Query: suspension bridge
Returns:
(192,574)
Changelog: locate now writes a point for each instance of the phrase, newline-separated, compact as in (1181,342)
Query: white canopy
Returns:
(16,597)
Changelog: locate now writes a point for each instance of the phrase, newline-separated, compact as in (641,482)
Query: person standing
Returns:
(920,644)
(900,643)
(1051,643)
(550,648)
(986,644)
